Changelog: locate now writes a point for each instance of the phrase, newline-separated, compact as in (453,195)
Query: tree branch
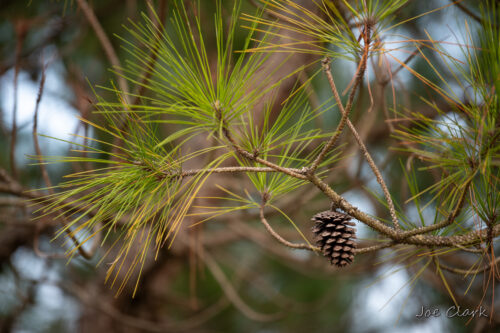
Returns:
(416,238)
(362,146)
(449,220)
(234,169)
(231,293)
(48,183)
(21,30)
(106,45)
(471,271)
(231,169)
(374,247)
(466,10)
(347,110)
(251,156)
(277,236)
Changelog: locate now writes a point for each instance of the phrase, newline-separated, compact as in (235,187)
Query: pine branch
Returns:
(246,154)
(345,119)
(105,43)
(417,237)
(230,292)
(231,169)
(461,271)
(347,110)
(374,247)
(278,236)
(449,220)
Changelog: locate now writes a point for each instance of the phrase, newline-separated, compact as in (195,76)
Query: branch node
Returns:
(326,63)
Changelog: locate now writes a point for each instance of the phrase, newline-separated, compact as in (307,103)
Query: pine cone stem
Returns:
(278,236)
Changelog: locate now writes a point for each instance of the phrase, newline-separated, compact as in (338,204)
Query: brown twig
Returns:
(345,120)
(45,175)
(48,183)
(373,248)
(234,169)
(144,325)
(147,72)
(466,10)
(246,154)
(462,271)
(449,220)
(231,293)
(377,173)
(231,169)
(347,110)
(21,30)
(360,142)
(106,45)
(277,236)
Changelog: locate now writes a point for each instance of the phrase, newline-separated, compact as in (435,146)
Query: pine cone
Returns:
(335,237)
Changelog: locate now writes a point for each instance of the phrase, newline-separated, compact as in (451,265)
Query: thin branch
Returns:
(106,45)
(374,248)
(462,271)
(449,220)
(235,169)
(361,145)
(345,119)
(377,173)
(144,324)
(472,237)
(13,132)
(466,10)
(277,236)
(347,110)
(48,183)
(340,126)
(251,156)
(231,293)
(45,175)
(21,30)
(232,169)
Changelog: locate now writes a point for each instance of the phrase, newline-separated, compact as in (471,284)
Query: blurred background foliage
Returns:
(279,290)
